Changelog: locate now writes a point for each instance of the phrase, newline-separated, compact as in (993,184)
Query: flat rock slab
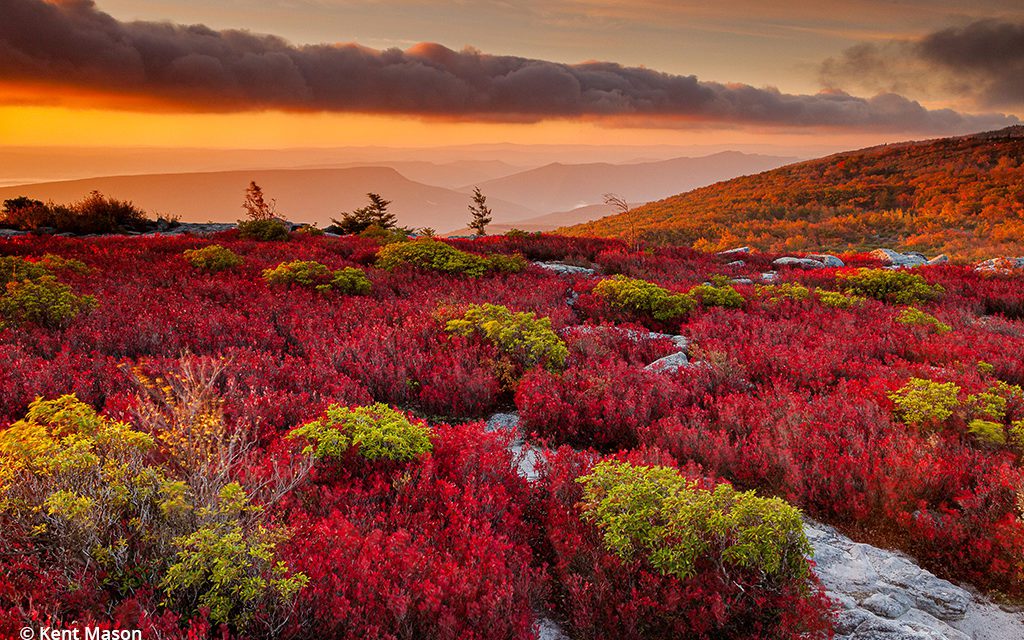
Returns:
(885,595)
(565,269)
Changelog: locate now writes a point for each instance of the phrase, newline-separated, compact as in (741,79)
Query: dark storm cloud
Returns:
(982,63)
(71,45)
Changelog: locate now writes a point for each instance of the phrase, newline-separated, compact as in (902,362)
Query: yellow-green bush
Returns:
(377,431)
(836,299)
(435,255)
(890,285)
(776,293)
(719,293)
(17,269)
(43,301)
(643,297)
(925,403)
(987,432)
(916,317)
(228,566)
(314,275)
(524,337)
(77,481)
(212,258)
(655,513)
(266,230)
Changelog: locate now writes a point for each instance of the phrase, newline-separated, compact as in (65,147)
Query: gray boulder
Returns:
(565,269)
(769,276)
(896,259)
(736,263)
(800,263)
(734,252)
(939,259)
(827,259)
(670,363)
(11,233)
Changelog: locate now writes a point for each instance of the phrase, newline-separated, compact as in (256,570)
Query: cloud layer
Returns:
(981,63)
(71,45)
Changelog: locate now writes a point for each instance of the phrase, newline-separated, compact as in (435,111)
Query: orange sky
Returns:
(760,44)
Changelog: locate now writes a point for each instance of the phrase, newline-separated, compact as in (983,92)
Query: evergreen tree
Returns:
(480,212)
(357,221)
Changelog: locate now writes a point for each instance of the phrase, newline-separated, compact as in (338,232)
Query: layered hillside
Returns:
(962,196)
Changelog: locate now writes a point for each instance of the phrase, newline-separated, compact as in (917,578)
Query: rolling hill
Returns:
(562,187)
(546,222)
(303,195)
(962,196)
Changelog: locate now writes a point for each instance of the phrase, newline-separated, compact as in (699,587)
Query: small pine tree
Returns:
(375,213)
(480,212)
(256,206)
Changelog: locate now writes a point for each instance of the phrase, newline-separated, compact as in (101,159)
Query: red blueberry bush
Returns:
(796,391)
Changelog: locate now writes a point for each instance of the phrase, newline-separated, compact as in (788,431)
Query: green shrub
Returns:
(655,513)
(16,269)
(916,317)
(994,401)
(351,281)
(987,432)
(439,256)
(836,299)
(310,230)
(43,301)
(228,567)
(77,480)
(384,236)
(314,275)
(264,230)
(890,285)
(718,294)
(377,431)
(527,339)
(646,298)
(212,258)
(924,403)
(776,293)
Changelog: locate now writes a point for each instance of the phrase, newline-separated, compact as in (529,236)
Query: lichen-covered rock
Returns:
(734,252)
(827,259)
(565,269)
(801,263)
(892,258)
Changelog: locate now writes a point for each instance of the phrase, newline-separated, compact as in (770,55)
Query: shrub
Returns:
(351,281)
(655,513)
(16,269)
(263,230)
(889,285)
(776,293)
(916,317)
(212,258)
(314,275)
(836,299)
(524,337)
(435,255)
(229,565)
(377,432)
(382,235)
(79,483)
(717,537)
(718,294)
(987,432)
(44,302)
(924,403)
(647,298)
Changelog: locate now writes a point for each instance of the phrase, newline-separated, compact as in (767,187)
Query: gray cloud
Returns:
(72,45)
(981,63)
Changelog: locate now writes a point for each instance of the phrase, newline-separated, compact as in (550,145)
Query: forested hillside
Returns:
(962,196)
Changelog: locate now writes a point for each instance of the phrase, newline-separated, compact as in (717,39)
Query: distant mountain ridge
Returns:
(562,187)
(306,195)
(963,196)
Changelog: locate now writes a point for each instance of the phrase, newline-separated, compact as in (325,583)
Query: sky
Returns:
(320,73)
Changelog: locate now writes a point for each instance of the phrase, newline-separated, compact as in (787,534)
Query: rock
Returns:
(736,264)
(11,233)
(565,269)
(802,263)
(1003,264)
(669,364)
(769,276)
(741,281)
(548,629)
(896,259)
(885,606)
(734,252)
(526,455)
(827,259)
(939,259)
